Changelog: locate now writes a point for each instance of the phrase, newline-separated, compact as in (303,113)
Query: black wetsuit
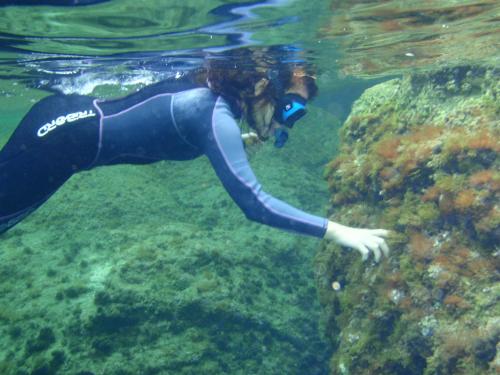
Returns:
(62,135)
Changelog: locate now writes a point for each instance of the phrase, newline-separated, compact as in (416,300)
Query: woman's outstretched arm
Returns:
(225,150)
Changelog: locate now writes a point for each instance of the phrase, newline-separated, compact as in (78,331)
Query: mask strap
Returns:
(272,75)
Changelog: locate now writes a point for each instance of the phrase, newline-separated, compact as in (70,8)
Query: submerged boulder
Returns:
(419,157)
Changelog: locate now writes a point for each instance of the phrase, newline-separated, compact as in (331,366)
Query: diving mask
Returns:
(289,109)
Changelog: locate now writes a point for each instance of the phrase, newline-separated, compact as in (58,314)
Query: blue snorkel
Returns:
(289,109)
(280,137)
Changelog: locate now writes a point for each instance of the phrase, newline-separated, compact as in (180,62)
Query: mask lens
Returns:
(290,108)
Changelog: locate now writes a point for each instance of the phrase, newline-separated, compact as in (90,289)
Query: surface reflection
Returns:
(381,38)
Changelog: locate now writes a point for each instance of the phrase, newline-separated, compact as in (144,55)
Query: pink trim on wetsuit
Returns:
(99,142)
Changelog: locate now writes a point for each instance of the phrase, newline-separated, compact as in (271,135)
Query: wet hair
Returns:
(233,74)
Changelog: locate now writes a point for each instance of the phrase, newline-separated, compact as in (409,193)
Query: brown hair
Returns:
(234,74)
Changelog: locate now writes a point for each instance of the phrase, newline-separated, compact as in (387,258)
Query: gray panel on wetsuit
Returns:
(193,111)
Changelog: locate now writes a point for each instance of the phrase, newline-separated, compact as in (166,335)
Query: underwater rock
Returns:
(42,341)
(419,157)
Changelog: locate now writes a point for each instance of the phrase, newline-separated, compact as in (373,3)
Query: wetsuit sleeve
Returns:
(225,150)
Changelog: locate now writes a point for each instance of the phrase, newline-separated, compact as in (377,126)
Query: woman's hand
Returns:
(250,138)
(363,240)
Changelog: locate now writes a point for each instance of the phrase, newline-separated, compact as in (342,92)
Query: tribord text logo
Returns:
(61,120)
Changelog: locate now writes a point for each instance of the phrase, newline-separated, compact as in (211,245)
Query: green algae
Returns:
(420,157)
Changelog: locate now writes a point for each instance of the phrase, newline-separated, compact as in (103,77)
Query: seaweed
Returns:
(425,165)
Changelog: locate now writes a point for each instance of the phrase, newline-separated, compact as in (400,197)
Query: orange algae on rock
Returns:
(484,140)
(465,200)
(484,177)
(455,302)
(488,226)
(419,163)
(421,246)
(388,148)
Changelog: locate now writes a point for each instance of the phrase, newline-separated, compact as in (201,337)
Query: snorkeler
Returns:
(179,120)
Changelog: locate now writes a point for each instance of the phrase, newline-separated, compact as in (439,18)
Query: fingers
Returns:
(373,242)
(379,232)
(384,248)
(376,253)
(364,252)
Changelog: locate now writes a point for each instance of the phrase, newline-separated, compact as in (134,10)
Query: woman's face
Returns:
(262,108)
(261,117)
